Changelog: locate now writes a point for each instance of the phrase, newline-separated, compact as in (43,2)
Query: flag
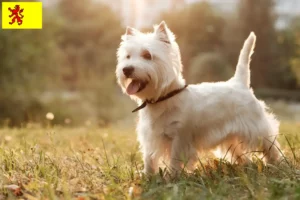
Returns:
(22,15)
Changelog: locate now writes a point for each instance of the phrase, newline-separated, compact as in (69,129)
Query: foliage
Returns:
(74,56)
(213,31)
(209,67)
(74,52)
(89,36)
(29,65)
(98,163)
(295,60)
(198,29)
(267,69)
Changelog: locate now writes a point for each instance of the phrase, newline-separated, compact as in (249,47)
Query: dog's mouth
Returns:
(135,85)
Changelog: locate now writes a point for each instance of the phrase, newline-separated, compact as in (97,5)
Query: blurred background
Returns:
(64,73)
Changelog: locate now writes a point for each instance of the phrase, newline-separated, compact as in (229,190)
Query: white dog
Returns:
(177,122)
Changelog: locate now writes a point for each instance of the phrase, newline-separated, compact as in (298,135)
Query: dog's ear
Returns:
(129,32)
(163,33)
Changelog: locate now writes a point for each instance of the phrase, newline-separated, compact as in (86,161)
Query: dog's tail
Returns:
(242,73)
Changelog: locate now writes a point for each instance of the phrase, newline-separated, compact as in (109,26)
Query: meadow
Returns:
(103,163)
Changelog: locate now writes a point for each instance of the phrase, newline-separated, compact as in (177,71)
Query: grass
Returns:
(91,163)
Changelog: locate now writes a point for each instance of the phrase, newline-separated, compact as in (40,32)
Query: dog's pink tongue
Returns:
(133,87)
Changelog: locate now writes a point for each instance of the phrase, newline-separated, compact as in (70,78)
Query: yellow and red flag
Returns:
(22,15)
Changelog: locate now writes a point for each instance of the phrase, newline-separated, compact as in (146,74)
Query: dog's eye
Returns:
(128,56)
(146,55)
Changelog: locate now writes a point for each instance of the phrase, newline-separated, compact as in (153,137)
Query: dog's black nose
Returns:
(128,71)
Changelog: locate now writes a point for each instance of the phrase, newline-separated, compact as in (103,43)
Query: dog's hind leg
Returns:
(233,151)
(269,132)
(271,152)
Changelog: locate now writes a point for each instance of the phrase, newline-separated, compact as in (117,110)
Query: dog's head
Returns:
(148,63)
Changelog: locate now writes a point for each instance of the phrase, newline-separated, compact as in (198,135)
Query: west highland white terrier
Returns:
(178,122)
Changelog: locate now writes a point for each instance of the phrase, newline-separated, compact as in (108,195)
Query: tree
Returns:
(208,67)
(89,36)
(295,60)
(266,67)
(197,28)
(29,61)
(75,50)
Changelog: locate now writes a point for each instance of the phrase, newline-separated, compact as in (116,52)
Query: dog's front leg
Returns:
(178,155)
(182,154)
(149,163)
(149,147)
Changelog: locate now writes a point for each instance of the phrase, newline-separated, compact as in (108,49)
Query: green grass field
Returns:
(92,163)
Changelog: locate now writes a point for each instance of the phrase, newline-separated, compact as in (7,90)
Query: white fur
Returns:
(224,115)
